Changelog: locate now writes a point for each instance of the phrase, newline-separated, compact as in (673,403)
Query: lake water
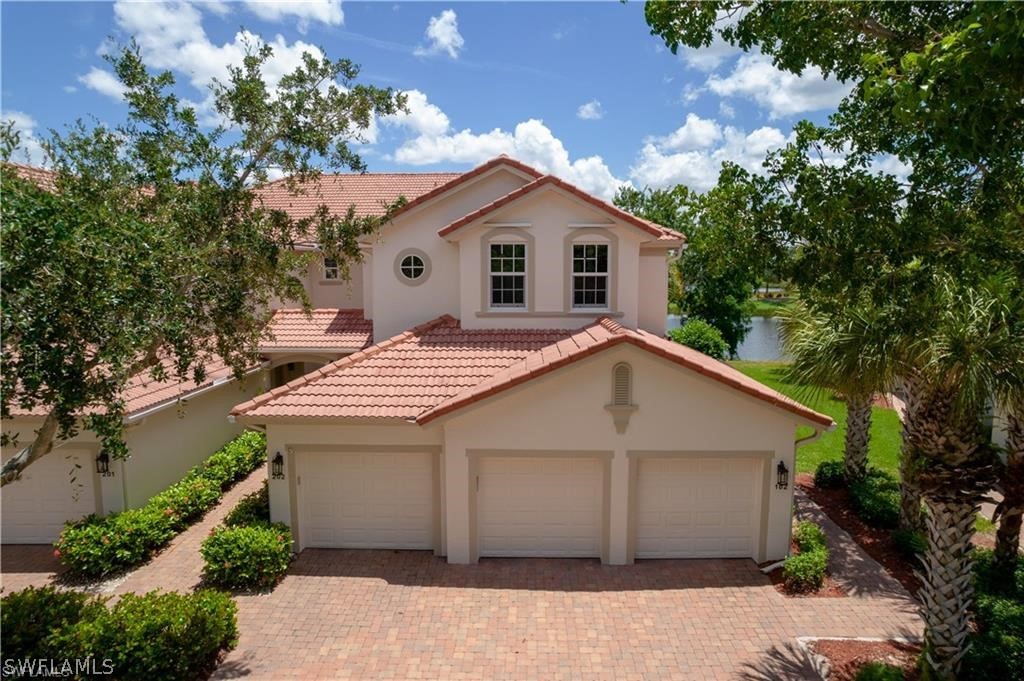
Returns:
(761,344)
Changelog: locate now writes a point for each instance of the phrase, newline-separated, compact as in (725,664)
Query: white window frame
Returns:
(606,274)
(491,273)
(328,269)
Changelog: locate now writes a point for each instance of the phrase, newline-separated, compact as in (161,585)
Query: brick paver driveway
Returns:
(409,615)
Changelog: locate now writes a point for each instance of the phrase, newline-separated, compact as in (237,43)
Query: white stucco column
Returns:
(279,491)
(457,508)
(618,512)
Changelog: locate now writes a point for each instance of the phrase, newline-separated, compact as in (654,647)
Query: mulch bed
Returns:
(830,589)
(876,542)
(847,657)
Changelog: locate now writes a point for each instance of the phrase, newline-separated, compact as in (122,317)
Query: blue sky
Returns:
(581,90)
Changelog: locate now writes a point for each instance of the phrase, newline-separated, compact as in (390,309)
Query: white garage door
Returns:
(366,501)
(697,507)
(56,488)
(539,506)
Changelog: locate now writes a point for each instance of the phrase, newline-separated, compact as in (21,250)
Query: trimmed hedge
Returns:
(167,636)
(805,571)
(247,556)
(96,546)
(997,647)
(830,474)
(876,499)
(252,509)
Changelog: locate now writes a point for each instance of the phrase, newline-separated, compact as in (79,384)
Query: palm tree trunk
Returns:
(911,517)
(947,592)
(858,432)
(1011,484)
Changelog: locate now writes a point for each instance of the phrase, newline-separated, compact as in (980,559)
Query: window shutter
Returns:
(622,385)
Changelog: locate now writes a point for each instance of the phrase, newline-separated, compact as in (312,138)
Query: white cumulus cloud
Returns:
(531,142)
(103,82)
(781,92)
(695,133)
(591,111)
(443,36)
(325,11)
(31,151)
(677,158)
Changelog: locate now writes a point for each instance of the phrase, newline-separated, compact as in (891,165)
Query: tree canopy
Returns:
(150,251)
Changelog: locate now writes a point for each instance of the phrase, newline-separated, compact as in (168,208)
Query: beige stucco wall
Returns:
(165,445)
(335,292)
(549,214)
(399,306)
(679,411)
(652,306)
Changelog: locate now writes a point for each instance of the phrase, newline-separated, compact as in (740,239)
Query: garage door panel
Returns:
(53,490)
(696,507)
(367,500)
(540,506)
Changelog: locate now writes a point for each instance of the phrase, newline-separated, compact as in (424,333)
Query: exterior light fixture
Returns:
(277,467)
(781,476)
(103,465)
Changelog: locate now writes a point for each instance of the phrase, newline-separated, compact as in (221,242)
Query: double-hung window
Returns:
(590,276)
(508,274)
(331,270)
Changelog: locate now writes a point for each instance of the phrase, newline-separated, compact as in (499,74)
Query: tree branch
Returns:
(41,446)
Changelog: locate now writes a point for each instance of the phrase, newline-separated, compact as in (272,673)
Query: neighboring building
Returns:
(519,398)
(171,427)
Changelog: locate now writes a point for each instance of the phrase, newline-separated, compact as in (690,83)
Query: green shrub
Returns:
(185,501)
(702,337)
(876,499)
(879,671)
(248,556)
(166,636)
(809,537)
(911,544)
(95,547)
(252,509)
(830,474)
(997,648)
(157,635)
(29,618)
(805,571)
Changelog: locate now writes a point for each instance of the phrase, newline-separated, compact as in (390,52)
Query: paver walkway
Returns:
(179,567)
(343,614)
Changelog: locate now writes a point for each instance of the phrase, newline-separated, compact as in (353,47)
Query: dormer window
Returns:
(331,270)
(507,274)
(590,276)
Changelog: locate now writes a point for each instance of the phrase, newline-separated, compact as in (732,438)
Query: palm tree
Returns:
(966,352)
(837,350)
(1011,485)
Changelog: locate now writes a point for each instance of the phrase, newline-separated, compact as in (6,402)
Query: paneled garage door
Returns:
(366,501)
(36,507)
(697,507)
(540,506)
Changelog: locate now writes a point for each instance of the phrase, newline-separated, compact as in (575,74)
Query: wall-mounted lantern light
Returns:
(277,467)
(103,465)
(781,476)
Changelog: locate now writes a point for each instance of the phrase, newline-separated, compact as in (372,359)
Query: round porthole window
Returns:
(412,267)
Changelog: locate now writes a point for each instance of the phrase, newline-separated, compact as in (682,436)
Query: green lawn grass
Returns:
(885,424)
(769,307)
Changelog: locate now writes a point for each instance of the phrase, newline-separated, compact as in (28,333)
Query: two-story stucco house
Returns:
(493,380)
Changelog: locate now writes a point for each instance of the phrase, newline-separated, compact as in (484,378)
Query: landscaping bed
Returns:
(846,659)
(876,541)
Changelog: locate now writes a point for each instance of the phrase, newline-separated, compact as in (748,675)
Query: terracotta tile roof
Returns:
(403,376)
(324,329)
(369,192)
(41,177)
(439,367)
(655,230)
(606,333)
(143,392)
